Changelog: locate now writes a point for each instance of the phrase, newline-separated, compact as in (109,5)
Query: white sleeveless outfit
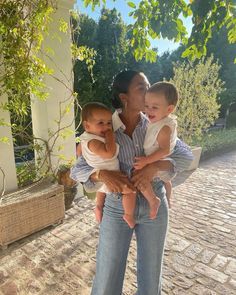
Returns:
(150,143)
(96,161)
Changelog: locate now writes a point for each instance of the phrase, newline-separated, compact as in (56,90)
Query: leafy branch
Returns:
(164,19)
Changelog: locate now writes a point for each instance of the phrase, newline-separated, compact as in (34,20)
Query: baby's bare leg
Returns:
(129,202)
(168,187)
(100,199)
(153,201)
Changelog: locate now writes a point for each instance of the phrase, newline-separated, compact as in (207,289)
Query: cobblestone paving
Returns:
(200,256)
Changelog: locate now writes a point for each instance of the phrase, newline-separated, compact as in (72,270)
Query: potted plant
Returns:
(70,188)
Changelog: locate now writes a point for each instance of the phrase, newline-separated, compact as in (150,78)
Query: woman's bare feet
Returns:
(98,213)
(129,219)
(154,206)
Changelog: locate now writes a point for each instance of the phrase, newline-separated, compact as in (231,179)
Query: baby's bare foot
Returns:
(98,214)
(129,219)
(154,206)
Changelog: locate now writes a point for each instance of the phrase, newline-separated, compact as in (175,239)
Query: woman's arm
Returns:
(142,178)
(116,181)
(178,161)
(81,172)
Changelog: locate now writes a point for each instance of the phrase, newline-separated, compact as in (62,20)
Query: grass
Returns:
(216,142)
(231,120)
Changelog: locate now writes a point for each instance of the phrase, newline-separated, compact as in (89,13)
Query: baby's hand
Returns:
(140,162)
(109,134)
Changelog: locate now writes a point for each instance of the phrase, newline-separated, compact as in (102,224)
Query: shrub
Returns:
(198,86)
(231,120)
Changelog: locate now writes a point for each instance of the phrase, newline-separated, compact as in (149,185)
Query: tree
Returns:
(112,47)
(199,86)
(84,30)
(163,19)
(224,53)
(108,38)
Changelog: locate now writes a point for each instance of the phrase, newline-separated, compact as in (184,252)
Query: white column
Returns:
(7,159)
(59,85)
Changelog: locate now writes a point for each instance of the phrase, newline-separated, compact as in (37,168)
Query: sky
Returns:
(121,5)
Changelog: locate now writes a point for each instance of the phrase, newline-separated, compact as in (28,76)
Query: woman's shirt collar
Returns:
(117,123)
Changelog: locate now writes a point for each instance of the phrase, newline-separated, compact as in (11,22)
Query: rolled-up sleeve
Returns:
(81,172)
(182,156)
(181,159)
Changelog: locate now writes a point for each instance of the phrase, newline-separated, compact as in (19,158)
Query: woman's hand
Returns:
(116,181)
(140,162)
(143,177)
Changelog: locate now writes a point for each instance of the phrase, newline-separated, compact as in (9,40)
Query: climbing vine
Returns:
(23,27)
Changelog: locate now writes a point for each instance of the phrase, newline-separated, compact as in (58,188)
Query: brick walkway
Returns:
(200,252)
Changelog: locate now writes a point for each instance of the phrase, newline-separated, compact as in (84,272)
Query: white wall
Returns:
(45,114)
(7,159)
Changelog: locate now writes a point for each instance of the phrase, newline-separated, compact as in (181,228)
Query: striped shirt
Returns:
(129,147)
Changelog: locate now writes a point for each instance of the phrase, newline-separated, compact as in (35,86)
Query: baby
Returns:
(100,151)
(160,102)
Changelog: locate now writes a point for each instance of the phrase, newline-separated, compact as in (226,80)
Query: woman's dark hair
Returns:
(120,85)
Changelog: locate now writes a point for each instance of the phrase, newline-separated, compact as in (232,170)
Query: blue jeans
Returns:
(114,242)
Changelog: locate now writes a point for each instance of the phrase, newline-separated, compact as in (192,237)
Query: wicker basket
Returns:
(29,210)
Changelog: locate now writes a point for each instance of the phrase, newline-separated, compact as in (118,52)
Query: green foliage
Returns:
(224,53)
(83,53)
(199,86)
(216,141)
(26,173)
(231,120)
(162,19)
(22,24)
(112,46)
(93,3)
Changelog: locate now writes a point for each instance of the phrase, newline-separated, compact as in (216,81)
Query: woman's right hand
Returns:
(116,181)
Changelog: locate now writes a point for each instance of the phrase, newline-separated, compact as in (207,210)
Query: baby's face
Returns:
(156,106)
(99,123)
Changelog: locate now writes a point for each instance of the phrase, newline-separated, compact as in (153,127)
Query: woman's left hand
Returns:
(143,177)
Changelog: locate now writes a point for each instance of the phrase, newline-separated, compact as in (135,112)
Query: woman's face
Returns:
(135,97)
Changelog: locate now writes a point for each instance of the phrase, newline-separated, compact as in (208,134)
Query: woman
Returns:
(130,124)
